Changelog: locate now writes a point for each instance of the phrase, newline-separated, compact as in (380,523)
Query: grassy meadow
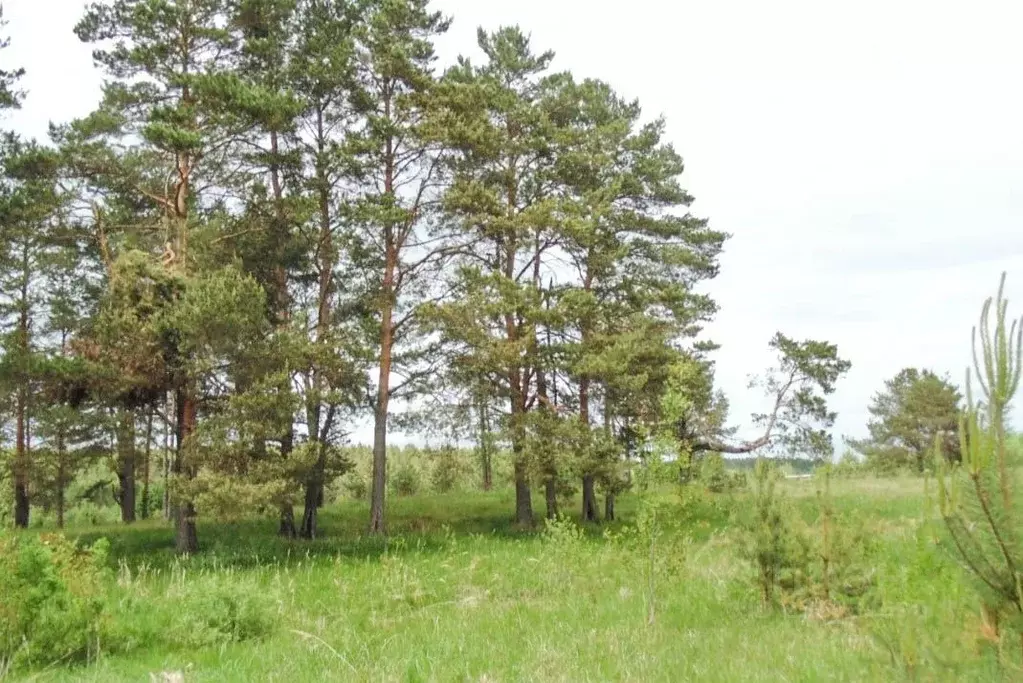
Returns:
(457,594)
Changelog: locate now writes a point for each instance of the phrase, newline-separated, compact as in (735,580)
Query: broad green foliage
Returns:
(915,407)
(51,600)
(978,496)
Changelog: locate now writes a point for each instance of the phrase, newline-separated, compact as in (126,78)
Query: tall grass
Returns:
(458,594)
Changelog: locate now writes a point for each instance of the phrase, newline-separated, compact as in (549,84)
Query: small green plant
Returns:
(977,497)
(770,542)
(824,567)
(713,473)
(448,470)
(837,576)
(662,545)
(404,479)
(216,613)
(356,486)
(51,599)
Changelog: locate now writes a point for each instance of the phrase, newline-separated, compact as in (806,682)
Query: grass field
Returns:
(456,594)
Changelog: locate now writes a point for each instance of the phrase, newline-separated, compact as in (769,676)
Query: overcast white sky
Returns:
(866,156)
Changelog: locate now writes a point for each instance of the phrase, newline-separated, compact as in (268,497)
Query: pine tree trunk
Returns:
(376,518)
(126,463)
(486,461)
(310,515)
(21,497)
(61,477)
(147,464)
(287,526)
(523,495)
(286,529)
(167,457)
(609,498)
(283,310)
(314,485)
(551,490)
(590,499)
(61,504)
(22,465)
(589,493)
(186,539)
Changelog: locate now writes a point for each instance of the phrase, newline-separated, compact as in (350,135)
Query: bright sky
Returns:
(865,156)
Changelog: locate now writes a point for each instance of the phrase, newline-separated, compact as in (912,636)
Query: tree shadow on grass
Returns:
(422,524)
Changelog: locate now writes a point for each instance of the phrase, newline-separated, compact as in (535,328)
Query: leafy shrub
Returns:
(219,612)
(717,479)
(356,485)
(88,513)
(404,479)
(849,466)
(449,470)
(802,568)
(713,473)
(51,599)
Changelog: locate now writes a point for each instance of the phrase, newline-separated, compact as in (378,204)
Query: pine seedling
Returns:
(976,497)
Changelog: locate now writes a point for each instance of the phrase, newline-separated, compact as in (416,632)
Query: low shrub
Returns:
(51,599)
(215,613)
(404,479)
(801,567)
(356,485)
(449,470)
(716,478)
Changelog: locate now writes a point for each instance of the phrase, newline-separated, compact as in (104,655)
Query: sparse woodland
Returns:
(287,218)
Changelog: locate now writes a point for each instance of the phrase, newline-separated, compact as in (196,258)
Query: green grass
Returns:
(457,594)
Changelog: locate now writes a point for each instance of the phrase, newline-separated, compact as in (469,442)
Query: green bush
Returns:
(217,613)
(713,473)
(449,470)
(51,599)
(88,513)
(801,567)
(716,478)
(404,479)
(356,485)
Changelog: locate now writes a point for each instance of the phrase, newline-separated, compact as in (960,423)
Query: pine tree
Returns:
(634,249)
(398,172)
(28,204)
(274,209)
(173,90)
(914,407)
(336,307)
(977,496)
(500,119)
